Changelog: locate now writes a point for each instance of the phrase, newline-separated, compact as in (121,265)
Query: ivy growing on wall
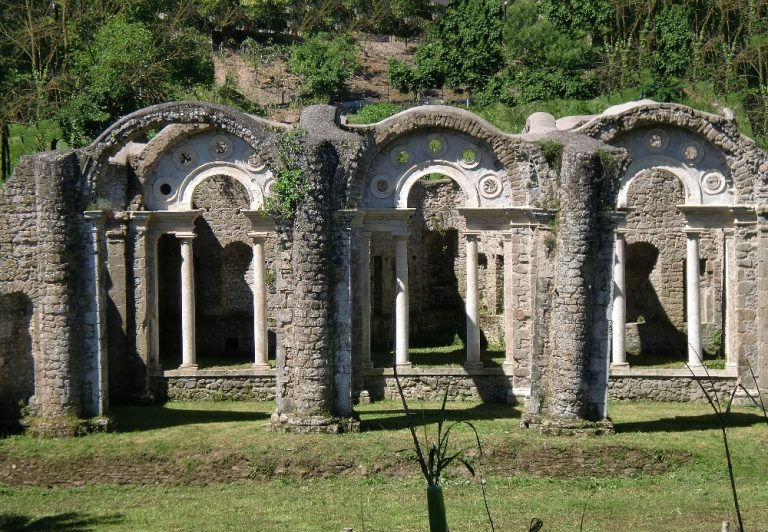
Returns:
(291,183)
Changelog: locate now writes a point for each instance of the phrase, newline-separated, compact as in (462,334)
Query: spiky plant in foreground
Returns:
(436,458)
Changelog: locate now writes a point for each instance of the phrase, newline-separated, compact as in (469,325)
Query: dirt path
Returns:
(218,466)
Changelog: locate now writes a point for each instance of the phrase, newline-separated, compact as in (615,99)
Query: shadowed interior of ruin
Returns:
(16,359)
(438,326)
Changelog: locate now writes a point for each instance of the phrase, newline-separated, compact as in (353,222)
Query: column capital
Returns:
(116,234)
(620,232)
(258,236)
(400,235)
(472,234)
(692,232)
(184,236)
(96,218)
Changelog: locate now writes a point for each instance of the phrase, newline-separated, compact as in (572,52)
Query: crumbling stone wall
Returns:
(224,273)
(547,242)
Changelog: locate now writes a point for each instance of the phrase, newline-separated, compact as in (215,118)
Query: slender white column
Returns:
(692,298)
(401,301)
(619,314)
(97,221)
(471,304)
(729,289)
(260,333)
(365,298)
(188,354)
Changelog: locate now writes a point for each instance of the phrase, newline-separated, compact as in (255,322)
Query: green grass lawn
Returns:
(366,481)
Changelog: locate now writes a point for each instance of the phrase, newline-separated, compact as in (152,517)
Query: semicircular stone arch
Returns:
(250,129)
(466,160)
(701,167)
(182,166)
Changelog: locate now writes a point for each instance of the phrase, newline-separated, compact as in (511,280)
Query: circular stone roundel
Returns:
(656,140)
(435,146)
(254,163)
(269,187)
(400,156)
(163,189)
(185,159)
(490,186)
(692,152)
(713,183)
(469,156)
(220,147)
(381,187)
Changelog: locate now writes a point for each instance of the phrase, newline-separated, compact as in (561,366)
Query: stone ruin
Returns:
(147,266)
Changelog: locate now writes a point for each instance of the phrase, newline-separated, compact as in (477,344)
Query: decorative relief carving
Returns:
(657,140)
(381,187)
(220,147)
(692,152)
(490,186)
(255,164)
(713,183)
(185,159)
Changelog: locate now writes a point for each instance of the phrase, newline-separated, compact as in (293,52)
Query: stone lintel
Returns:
(485,219)
(173,221)
(96,218)
(544,216)
(261,222)
(394,221)
(353,217)
(616,219)
(703,217)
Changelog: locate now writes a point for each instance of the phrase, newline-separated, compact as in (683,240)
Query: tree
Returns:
(546,61)
(463,48)
(127,67)
(324,64)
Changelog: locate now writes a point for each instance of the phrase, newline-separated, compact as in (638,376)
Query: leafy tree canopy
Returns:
(324,64)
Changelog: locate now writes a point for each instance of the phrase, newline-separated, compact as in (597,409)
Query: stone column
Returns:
(189,357)
(509,321)
(471,304)
(730,285)
(619,311)
(260,334)
(141,359)
(97,221)
(365,298)
(692,298)
(762,298)
(154,301)
(401,300)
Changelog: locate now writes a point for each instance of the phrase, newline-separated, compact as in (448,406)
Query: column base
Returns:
(260,365)
(473,365)
(558,426)
(313,424)
(619,365)
(405,365)
(192,367)
(367,365)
